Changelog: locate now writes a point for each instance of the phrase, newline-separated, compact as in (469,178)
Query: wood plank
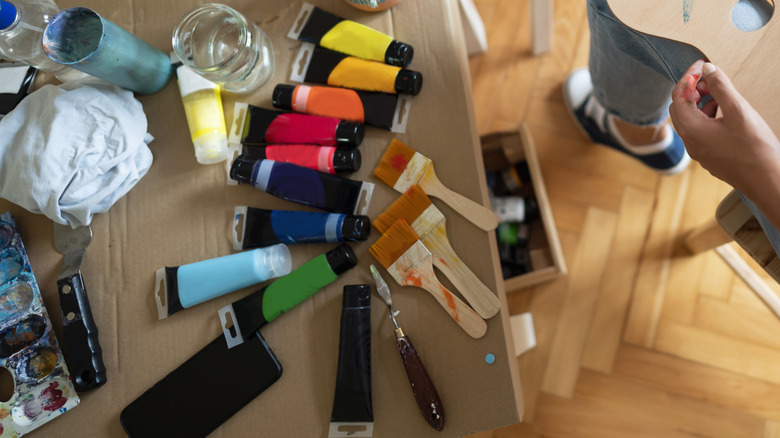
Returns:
(750,277)
(578,187)
(619,276)
(739,322)
(650,291)
(723,388)
(717,277)
(560,377)
(717,350)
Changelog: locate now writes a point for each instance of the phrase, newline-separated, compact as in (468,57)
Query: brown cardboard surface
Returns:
(181,212)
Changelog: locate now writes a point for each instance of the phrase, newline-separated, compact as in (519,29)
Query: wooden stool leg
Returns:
(706,237)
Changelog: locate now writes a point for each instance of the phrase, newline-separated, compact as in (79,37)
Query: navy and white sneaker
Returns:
(667,157)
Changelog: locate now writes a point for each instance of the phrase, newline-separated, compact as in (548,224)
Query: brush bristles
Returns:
(393,162)
(393,243)
(408,207)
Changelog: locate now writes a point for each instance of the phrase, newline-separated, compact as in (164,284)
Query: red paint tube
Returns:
(327,159)
(383,110)
(259,126)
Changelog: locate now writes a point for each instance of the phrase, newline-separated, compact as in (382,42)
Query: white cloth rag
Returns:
(71,151)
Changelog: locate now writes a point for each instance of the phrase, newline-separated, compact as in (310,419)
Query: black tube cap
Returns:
(341,259)
(283,95)
(356,295)
(349,134)
(399,54)
(356,228)
(408,82)
(241,169)
(346,160)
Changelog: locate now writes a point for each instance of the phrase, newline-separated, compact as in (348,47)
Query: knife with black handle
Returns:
(81,346)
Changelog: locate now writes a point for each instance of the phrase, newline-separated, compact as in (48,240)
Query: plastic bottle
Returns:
(22,23)
(205,117)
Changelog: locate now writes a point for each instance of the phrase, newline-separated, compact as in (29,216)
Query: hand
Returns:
(738,146)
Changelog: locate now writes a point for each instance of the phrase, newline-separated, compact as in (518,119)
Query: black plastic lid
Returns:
(356,295)
(399,54)
(283,95)
(341,259)
(356,228)
(349,133)
(346,160)
(241,169)
(408,82)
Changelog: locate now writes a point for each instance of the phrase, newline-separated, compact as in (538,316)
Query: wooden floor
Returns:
(641,339)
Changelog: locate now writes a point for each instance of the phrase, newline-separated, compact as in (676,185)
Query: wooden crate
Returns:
(503,149)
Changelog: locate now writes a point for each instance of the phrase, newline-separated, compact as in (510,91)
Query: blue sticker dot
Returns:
(490,359)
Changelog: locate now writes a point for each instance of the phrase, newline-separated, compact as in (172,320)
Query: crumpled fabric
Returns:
(71,151)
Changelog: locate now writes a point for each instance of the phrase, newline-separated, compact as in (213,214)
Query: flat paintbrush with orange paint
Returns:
(409,262)
(401,167)
(429,224)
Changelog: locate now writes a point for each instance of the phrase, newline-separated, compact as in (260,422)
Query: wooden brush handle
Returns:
(481,298)
(422,386)
(464,316)
(477,214)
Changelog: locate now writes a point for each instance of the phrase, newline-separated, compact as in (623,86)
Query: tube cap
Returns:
(399,54)
(7,14)
(276,260)
(283,95)
(356,228)
(349,133)
(356,295)
(408,82)
(341,259)
(241,169)
(346,160)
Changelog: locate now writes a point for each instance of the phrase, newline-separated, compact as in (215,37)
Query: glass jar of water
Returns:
(218,43)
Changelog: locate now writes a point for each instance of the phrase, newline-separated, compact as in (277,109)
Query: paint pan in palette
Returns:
(328,30)
(28,347)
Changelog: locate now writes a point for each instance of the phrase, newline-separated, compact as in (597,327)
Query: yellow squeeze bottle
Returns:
(206,120)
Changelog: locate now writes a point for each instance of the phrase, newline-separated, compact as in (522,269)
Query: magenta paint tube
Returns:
(382,110)
(305,186)
(260,126)
(258,227)
(327,159)
(352,411)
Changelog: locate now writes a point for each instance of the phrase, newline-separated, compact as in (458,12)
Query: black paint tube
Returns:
(320,65)
(303,185)
(261,227)
(382,110)
(328,30)
(353,414)
(260,126)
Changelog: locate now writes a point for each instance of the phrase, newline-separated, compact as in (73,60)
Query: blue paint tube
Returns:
(257,227)
(303,185)
(181,287)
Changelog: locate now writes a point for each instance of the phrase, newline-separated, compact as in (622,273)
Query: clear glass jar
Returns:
(218,43)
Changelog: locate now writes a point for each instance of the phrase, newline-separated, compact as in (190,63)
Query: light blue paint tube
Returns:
(182,287)
(82,39)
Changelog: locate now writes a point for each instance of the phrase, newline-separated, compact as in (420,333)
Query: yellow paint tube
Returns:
(205,117)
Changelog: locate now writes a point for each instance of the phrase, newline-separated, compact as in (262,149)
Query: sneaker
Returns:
(667,157)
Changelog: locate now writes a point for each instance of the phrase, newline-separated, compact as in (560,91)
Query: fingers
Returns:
(721,88)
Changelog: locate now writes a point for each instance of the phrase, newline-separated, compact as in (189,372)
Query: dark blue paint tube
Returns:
(303,185)
(258,227)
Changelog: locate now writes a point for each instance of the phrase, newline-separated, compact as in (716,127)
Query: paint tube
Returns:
(383,110)
(514,208)
(353,414)
(323,66)
(322,28)
(250,313)
(305,186)
(205,117)
(181,287)
(257,227)
(257,126)
(327,159)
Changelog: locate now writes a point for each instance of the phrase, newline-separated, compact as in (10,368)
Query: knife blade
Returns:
(81,346)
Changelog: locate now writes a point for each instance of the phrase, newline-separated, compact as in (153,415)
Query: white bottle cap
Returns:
(211,148)
(274,260)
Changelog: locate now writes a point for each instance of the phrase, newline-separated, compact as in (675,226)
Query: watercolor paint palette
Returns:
(28,346)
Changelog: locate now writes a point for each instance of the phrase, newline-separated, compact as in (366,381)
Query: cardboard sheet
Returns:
(181,212)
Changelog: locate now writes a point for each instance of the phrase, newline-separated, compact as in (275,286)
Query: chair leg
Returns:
(706,237)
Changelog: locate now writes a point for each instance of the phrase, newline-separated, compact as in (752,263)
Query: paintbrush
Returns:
(429,224)
(409,262)
(422,386)
(401,167)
